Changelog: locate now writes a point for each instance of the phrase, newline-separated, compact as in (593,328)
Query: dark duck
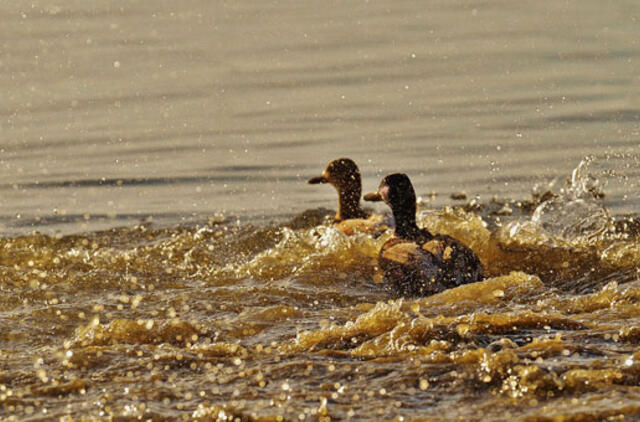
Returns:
(414,261)
(343,174)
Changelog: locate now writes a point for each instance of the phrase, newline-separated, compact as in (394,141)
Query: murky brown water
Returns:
(286,321)
(182,268)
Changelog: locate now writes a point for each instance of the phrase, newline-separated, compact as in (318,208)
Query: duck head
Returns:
(343,174)
(397,192)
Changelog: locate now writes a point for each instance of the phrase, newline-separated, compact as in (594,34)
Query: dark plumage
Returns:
(414,261)
(344,176)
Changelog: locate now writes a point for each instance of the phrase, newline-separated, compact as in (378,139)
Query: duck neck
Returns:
(349,204)
(405,218)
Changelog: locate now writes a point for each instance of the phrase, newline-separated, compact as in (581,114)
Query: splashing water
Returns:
(287,321)
(578,212)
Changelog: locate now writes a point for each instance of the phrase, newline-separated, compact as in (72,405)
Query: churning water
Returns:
(162,258)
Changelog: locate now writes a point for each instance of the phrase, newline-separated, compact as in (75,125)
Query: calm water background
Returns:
(113,111)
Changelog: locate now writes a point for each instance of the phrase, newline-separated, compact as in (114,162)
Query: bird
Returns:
(343,174)
(414,261)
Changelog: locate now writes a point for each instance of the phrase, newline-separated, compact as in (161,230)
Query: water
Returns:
(158,258)
(119,110)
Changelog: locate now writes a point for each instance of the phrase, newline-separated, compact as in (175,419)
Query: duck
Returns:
(343,174)
(414,261)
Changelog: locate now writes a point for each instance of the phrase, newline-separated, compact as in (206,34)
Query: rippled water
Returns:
(119,110)
(161,256)
(287,321)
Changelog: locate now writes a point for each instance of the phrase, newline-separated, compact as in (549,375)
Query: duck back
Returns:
(461,264)
(427,264)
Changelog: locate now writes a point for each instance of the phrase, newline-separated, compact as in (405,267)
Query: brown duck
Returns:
(416,262)
(343,174)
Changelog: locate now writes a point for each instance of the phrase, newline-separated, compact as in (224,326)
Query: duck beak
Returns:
(317,179)
(373,197)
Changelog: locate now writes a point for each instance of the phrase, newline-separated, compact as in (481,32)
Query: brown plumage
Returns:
(414,261)
(343,174)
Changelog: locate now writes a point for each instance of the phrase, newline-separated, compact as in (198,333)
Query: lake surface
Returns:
(162,256)
(121,110)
